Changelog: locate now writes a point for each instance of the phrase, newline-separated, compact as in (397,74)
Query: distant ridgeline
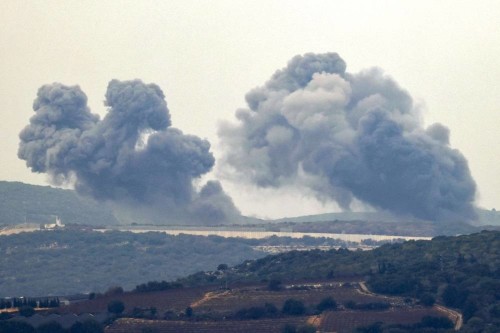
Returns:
(23,203)
(485,217)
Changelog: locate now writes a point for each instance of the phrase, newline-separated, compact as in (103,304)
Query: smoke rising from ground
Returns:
(132,157)
(348,136)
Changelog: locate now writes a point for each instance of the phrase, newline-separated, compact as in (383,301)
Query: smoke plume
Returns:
(132,157)
(348,136)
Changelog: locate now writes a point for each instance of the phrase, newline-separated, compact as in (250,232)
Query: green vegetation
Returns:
(26,310)
(70,261)
(65,262)
(23,203)
(327,303)
(116,307)
(157,286)
(15,326)
(294,307)
(50,327)
(269,310)
(460,272)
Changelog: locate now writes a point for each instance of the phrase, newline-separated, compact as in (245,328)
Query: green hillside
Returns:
(459,272)
(63,262)
(23,203)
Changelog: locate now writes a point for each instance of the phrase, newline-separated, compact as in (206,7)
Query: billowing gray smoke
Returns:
(132,157)
(348,136)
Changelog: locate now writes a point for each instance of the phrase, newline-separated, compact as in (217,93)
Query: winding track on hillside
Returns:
(454,316)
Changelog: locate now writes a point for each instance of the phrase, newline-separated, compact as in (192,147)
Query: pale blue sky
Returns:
(206,55)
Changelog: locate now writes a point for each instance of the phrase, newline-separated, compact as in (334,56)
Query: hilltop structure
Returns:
(56,225)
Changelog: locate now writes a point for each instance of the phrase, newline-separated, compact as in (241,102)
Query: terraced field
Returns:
(215,310)
(311,294)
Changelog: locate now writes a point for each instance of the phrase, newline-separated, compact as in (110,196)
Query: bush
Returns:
(116,307)
(327,303)
(26,311)
(15,326)
(257,312)
(157,286)
(50,327)
(222,267)
(115,290)
(5,316)
(274,285)
(271,309)
(88,326)
(427,299)
(293,307)
(254,312)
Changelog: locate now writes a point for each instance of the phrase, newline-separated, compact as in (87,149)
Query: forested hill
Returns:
(65,262)
(21,203)
(460,272)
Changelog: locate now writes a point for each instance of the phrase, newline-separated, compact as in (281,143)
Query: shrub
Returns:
(15,326)
(26,311)
(157,286)
(88,326)
(116,307)
(427,299)
(50,327)
(254,312)
(115,290)
(293,307)
(271,309)
(274,285)
(327,303)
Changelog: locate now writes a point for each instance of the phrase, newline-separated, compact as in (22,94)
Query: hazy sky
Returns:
(206,55)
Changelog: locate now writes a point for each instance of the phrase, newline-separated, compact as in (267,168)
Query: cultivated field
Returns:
(347,321)
(214,309)
(311,294)
(169,300)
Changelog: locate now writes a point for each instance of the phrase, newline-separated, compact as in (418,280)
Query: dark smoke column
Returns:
(348,136)
(131,158)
